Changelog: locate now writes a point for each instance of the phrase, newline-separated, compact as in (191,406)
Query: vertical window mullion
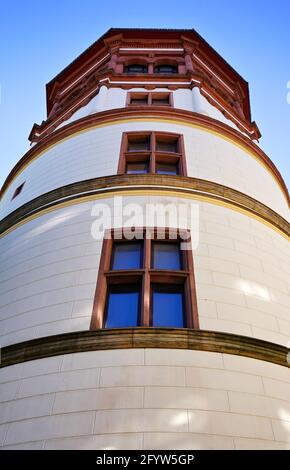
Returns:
(145,310)
(153,150)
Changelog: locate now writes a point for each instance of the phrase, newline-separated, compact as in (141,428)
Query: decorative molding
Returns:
(231,104)
(121,41)
(131,338)
(182,185)
(155,113)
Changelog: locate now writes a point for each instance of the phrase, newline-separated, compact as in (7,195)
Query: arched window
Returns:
(165,68)
(136,68)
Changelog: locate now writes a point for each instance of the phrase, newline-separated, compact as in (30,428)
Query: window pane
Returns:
(168,306)
(167,168)
(165,69)
(137,144)
(137,168)
(166,145)
(136,68)
(139,99)
(126,256)
(122,306)
(166,256)
(160,101)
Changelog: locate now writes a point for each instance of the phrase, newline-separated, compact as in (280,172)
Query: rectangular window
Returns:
(150,98)
(146,281)
(122,306)
(152,152)
(168,306)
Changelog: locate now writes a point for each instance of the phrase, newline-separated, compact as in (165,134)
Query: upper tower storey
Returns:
(146,81)
(176,60)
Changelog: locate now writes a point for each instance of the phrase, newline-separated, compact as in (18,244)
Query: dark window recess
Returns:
(136,68)
(165,69)
(18,191)
(166,256)
(138,144)
(149,98)
(160,101)
(166,145)
(168,306)
(137,168)
(122,306)
(167,168)
(126,256)
(139,100)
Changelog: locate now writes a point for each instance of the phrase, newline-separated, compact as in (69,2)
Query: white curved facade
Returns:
(145,398)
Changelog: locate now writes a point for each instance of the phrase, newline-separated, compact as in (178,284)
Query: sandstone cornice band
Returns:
(120,183)
(127,338)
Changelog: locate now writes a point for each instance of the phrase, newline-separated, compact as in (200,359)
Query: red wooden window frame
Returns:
(152,155)
(146,276)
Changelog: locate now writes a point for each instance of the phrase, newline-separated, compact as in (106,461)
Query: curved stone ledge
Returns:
(181,184)
(162,338)
(113,116)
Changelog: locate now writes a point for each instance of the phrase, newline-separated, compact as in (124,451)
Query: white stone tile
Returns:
(98,399)
(8,391)
(72,424)
(10,373)
(146,420)
(185,397)
(207,309)
(91,359)
(257,444)
(36,445)
(183,357)
(259,405)
(256,367)
(281,430)
(47,365)
(139,376)
(277,389)
(234,327)
(29,407)
(98,442)
(229,424)
(59,382)
(186,441)
(223,380)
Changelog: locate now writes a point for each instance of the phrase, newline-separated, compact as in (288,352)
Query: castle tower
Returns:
(175,338)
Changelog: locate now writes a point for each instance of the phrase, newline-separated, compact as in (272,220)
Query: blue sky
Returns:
(39,38)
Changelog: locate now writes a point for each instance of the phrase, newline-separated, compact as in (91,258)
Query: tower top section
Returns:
(171,58)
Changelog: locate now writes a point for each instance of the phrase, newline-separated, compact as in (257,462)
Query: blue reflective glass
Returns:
(122,307)
(166,256)
(168,306)
(126,256)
